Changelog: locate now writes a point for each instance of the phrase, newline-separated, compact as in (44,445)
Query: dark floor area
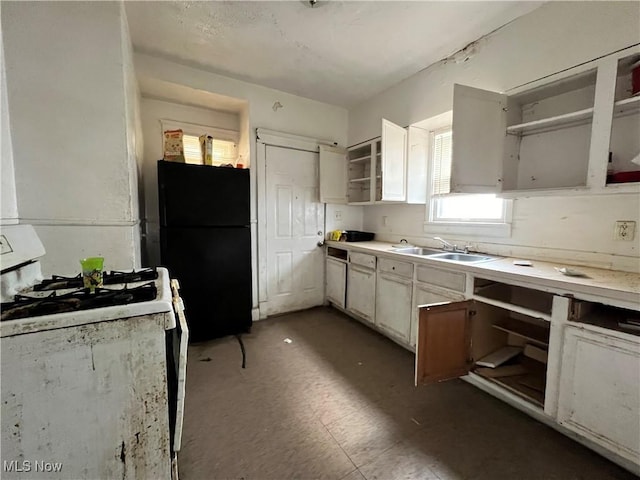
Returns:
(338,402)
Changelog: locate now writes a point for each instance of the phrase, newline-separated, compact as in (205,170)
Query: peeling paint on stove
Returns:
(83,399)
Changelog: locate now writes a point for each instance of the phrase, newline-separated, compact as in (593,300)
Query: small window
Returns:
(468,209)
(192,150)
(224,144)
(222,152)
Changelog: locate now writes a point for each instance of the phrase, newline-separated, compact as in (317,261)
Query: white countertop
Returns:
(623,287)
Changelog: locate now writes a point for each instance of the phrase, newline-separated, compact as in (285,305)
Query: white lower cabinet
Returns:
(599,395)
(336,282)
(361,292)
(393,305)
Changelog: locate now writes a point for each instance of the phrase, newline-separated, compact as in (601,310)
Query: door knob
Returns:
(321,243)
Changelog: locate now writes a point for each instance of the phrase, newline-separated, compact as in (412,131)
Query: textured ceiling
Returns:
(336,52)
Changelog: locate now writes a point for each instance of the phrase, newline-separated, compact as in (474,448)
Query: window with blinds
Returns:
(223,151)
(458,208)
(192,150)
(441,162)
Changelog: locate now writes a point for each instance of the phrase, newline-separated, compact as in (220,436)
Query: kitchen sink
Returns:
(417,250)
(461,257)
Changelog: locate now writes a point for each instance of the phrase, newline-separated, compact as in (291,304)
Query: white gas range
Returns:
(92,383)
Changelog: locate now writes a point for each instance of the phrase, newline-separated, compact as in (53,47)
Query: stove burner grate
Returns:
(111,278)
(30,306)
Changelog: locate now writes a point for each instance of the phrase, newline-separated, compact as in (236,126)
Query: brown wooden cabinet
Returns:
(454,337)
(443,350)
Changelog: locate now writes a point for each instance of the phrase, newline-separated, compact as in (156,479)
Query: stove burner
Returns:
(31,306)
(111,278)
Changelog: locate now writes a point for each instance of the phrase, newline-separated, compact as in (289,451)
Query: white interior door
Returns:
(295,225)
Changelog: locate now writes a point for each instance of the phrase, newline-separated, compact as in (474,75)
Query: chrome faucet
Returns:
(452,248)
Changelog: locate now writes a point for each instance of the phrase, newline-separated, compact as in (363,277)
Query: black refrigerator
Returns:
(205,242)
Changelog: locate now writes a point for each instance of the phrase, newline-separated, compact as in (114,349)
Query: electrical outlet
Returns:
(337,215)
(624,230)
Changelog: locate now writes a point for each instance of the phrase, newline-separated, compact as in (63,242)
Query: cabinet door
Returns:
(394,162)
(393,305)
(479,132)
(417,162)
(336,279)
(599,396)
(427,296)
(361,292)
(443,350)
(333,174)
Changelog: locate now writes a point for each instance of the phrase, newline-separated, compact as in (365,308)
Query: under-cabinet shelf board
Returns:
(356,180)
(557,121)
(631,187)
(627,105)
(529,331)
(529,386)
(541,192)
(512,307)
(360,159)
(367,202)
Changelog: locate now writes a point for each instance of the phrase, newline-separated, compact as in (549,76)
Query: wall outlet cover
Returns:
(624,230)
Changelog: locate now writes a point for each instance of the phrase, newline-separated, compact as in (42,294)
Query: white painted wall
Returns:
(343,217)
(8,198)
(153,111)
(552,38)
(298,115)
(72,112)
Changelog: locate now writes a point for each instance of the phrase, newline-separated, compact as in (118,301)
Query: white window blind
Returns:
(192,150)
(223,151)
(441,162)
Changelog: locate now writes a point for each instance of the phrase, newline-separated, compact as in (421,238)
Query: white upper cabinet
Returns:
(393,162)
(554,133)
(333,174)
(417,161)
(479,123)
(378,169)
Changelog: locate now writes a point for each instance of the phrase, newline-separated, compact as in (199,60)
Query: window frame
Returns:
(486,227)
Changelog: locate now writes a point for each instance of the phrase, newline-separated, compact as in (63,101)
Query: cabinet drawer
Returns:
(402,269)
(442,278)
(362,259)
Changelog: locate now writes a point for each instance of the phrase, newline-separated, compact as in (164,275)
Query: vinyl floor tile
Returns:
(338,402)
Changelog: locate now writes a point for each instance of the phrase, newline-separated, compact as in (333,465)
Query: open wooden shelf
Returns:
(628,105)
(360,159)
(363,179)
(526,330)
(530,385)
(557,121)
(611,318)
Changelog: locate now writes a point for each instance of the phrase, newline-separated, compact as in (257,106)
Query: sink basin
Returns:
(461,257)
(417,250)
